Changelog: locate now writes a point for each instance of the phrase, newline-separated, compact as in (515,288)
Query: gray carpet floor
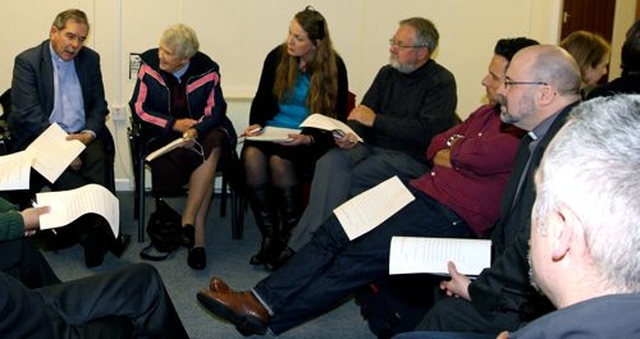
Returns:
(226,258)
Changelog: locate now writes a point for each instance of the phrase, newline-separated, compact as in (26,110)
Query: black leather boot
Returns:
(266,214)
(290,206)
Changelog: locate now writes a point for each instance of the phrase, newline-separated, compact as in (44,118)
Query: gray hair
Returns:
(426,33)
(73,14)
(183,38)
(591,166)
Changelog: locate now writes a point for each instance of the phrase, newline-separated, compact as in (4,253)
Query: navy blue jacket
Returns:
(32,93)
(150,102)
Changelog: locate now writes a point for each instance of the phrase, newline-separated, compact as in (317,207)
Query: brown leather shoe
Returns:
(240,308)
(218,285)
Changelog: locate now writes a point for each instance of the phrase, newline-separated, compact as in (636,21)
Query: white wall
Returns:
(239,33)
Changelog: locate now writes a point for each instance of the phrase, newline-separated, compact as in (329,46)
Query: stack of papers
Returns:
(315,120)
(273,134)
(323,122)
(167,148)
(50,154)
(431,255)
(67,206)
(372,207)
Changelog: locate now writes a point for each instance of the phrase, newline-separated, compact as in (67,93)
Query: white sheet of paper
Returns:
(16,169)
(166,148)
(323,122)
(52,153)
(370,208)
(431,255)
(274,134)
(67,206)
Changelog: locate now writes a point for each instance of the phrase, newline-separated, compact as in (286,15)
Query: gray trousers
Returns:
(341,174)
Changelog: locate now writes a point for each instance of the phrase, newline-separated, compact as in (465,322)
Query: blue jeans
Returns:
(330,268)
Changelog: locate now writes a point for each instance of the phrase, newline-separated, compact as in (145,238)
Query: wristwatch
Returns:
(453,139)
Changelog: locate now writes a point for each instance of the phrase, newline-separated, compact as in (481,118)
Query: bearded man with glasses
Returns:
(412,99)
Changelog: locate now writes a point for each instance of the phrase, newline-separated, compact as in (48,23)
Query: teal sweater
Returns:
(11,222)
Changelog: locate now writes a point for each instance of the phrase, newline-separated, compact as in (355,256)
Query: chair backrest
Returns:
(351,101)
(5,136)
(5,101)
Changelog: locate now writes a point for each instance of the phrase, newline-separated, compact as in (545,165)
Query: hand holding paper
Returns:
(167,148)
(431,255)
(66,206)
(273,134)
(323,122)
(52,152)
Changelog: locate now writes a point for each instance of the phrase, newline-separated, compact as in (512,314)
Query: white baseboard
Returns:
(126,185)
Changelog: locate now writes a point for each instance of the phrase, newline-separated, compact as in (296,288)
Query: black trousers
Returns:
(110,305)
(20,259)
(135,292)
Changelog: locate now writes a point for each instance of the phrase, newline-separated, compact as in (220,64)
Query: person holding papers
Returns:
(584,231)
(178,95)
(410,100)
(458,197)
(301,76)
(59,81)
(36,304)
(541,87)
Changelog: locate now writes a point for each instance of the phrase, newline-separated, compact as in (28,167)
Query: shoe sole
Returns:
(246,325)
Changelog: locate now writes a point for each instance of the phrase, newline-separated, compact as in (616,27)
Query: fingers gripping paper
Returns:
(431,255)
(66,206)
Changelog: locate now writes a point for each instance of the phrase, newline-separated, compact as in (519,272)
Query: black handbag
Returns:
(165,232)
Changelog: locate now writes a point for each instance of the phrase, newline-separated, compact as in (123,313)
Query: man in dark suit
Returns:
(34,303)
(59,81)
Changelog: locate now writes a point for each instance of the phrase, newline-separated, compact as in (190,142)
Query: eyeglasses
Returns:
(400,45)
(509,82)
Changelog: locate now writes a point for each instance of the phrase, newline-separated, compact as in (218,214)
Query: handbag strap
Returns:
(150,253)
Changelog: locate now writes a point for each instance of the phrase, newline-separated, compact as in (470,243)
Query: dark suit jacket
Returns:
(24,313)
(505,286)
(32,93)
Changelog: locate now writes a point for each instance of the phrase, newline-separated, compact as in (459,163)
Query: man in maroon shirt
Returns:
(459,197)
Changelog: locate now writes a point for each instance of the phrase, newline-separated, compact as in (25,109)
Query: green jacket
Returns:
(11,222)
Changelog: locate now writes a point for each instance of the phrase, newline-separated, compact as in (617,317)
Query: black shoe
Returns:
(120,244)
(281,259)
(197,258)
(258,259)
(93,257)
(270,248)
(188,235)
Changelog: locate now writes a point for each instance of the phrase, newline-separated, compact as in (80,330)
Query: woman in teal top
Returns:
(303,75)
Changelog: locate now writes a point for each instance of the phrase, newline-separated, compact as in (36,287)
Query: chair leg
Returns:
(238,207)
(223,196)
(141,200)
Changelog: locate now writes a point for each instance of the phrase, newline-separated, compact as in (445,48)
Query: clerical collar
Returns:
(542,128)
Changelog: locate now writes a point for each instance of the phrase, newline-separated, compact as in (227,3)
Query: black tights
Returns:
(261,168)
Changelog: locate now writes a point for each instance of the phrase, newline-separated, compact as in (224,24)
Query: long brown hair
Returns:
(323,91)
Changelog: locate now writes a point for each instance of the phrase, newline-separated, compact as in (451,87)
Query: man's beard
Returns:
(406,69)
